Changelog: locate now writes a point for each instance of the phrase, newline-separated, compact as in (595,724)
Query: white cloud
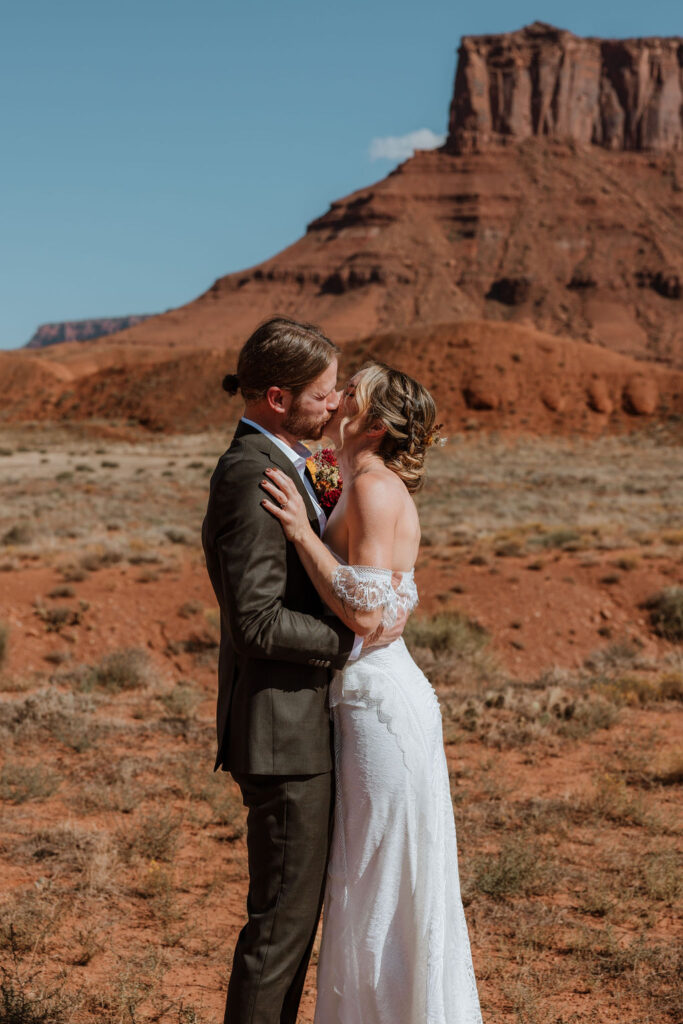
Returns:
(400,147)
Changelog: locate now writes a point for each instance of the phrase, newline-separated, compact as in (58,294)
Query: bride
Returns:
(395,948)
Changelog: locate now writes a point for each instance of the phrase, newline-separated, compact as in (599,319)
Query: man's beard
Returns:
(301,426)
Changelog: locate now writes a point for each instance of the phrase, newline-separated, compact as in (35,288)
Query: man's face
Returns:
(312,409)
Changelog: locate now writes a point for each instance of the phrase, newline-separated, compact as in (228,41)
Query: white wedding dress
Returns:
(395,948)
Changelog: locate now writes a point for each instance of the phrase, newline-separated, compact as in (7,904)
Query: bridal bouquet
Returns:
(327,479)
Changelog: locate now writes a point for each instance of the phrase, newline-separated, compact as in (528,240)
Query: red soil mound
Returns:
(494,375)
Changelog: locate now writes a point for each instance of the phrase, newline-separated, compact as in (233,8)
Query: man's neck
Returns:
(273,427)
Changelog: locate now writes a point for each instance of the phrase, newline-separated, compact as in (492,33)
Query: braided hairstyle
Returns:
(407,411)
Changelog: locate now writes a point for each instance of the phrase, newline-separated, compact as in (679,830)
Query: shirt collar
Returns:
(296,454)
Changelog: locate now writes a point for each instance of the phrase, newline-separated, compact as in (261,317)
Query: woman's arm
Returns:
(371,525)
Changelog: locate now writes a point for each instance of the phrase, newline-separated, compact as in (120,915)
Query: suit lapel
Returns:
(255,437)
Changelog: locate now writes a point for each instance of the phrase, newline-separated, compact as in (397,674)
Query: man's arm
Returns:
(253,556)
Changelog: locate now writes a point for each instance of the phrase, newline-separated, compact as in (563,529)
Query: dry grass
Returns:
(666,613)
(4,643)
(129,877)
(21,782)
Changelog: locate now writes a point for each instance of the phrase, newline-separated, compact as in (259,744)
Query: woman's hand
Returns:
(289,506)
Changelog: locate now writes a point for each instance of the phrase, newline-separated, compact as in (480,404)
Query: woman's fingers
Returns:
(275,510)
(281,479)
(279,495)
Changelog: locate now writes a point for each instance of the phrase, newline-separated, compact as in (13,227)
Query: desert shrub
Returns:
(671,686)
(562,538)
(128,669)
(626,563)
(145,558)
(73,573)
(514,870)
(189,608)
(156,886)
(177,536)
(64,715)
(25,919)
(91,561)
(57,618)
(153,835)
(662,877)
(20,533)
(445,632)
(20,783)
(4,642)
(613,802)
(62,590)
(114,790)
(634,689)
(225,801)
(182,700)
(20,1004)
(666,613)
(89,855)
(619,654)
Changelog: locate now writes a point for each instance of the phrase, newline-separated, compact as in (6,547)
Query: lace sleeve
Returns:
(365,587)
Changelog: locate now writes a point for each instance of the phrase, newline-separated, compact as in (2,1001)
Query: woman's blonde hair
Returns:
(408,412)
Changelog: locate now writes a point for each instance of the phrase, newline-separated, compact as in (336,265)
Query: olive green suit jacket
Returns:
(278,645)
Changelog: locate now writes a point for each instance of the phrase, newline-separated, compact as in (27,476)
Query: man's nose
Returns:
(333,400)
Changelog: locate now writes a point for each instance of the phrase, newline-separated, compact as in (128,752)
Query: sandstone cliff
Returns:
(81,330)
(622,94)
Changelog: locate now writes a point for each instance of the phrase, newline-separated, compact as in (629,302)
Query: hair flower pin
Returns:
(435,438)
(327,478)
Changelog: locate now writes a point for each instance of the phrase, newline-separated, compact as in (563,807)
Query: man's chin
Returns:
(318,431)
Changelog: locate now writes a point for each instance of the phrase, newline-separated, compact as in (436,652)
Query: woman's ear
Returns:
(376,429)
(275,397)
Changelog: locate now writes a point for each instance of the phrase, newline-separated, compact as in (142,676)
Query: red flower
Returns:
(331,497)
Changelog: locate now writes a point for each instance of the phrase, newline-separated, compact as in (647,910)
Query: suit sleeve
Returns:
(252,553)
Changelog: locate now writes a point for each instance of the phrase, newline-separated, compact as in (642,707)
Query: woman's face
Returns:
(347,410)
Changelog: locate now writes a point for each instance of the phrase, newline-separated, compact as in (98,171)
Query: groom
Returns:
(278,647)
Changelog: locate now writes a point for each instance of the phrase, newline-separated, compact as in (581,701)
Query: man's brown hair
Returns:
(280,353)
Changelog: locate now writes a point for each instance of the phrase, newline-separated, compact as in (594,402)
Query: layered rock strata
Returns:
(624,94)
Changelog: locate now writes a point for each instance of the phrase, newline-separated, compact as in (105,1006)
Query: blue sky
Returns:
(150,146)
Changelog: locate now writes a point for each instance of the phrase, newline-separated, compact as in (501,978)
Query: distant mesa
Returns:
(82,330)
(622,94)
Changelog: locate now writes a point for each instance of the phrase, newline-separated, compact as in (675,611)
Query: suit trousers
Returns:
(289,827)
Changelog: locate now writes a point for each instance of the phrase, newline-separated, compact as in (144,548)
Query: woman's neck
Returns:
(353,463)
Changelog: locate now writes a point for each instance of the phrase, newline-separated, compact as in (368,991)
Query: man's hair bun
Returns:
(231,383)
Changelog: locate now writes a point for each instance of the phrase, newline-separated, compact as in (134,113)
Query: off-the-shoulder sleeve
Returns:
(365,588)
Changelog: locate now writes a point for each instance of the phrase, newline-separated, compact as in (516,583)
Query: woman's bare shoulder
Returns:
(377,490)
